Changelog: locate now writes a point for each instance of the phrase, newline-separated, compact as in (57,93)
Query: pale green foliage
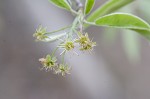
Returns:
(126,21)
(88,6)
(61,3)
(122,20)
(107,8)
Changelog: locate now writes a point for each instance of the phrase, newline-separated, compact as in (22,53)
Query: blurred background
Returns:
(118,69)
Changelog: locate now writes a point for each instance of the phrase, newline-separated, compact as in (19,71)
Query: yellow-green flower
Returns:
(68,45)
(49,63)
(63,69)
(83,39)
(40,33)
(84,42)
(88,46)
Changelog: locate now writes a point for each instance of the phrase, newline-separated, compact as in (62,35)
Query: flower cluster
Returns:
(49,63)
(73,38)
(85,43)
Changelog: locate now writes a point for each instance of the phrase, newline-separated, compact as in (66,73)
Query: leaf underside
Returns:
(88,6)
(61,3)
(107,8)
(126,21)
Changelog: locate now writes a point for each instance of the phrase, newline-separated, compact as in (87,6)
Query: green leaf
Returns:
(88,6)
(127,21)
(61,3)
(107,8)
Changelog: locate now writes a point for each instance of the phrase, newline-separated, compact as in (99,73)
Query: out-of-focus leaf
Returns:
(88,6)
(61,3)
(131,45)
(126,21)
(131,41)
(110,34)
(107,8)
(143,9)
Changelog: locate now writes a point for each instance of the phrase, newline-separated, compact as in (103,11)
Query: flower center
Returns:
(69,46)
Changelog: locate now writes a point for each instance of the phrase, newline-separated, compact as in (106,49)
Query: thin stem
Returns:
(63,57)
(58,30)
(74,12)
(75,22)
(54,51)
(81,19)
(89,23)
